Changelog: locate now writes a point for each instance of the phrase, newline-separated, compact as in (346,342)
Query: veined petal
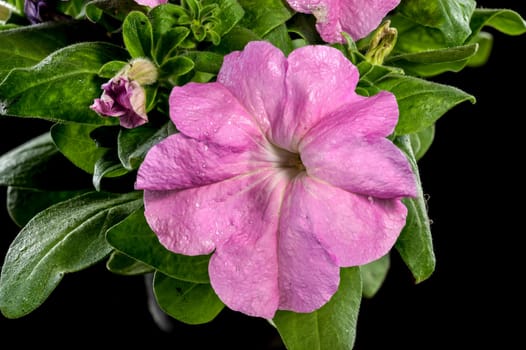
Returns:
(256,76)
(319,80)
(237,217)
(348,149)
(358,18)
(179,162)
(303,260)
(151,3)
(352,229)
(209,112)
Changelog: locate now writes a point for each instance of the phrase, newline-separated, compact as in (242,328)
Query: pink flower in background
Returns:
(283,173)
(358,18)
(151,3)
(122,98)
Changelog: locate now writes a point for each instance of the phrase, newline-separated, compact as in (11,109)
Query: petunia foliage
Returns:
(258,156)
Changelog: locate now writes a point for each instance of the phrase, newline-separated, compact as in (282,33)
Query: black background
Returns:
(472,175)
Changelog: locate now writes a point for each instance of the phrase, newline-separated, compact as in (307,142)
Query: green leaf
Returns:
(262,16)
(432,24)
(176,67)
(111,69)
(61,87)
(191,303)
(421,102)
(304,26)
(164,18)
(137,34)
(75,142)
(422,140)
(73,8)
(122,264)
(205,61)
(373,275)
(64,238)
(133,144)
(484,41)
(37,163)
(108,166)
(115,9)
(135,238)
(280,38)
(333,326)
(504,20)
(415,243)
(229,14)
(167,44)
(24,203)
(236,40)
(27,45)
(433,62)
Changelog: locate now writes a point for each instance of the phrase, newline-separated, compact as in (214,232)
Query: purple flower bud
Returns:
(124,99)
(38,11)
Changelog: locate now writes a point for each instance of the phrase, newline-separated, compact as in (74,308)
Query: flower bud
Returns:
(382,43)
(122,98)
(141,70)
(38,11)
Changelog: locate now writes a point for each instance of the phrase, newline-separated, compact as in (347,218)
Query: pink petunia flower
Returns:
(122,98)
(283,173)
(358,18)
(151,3)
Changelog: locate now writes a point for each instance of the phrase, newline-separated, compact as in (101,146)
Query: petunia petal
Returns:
(151,3)
(210,112)
(238,217)
(319,80)
(353,229)
(179,162)
(358,18)
(256,77)
(303,261)
(348,150)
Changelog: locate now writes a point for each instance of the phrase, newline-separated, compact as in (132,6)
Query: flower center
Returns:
(292,160)
(285,159)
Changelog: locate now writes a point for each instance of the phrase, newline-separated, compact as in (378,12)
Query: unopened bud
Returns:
(382,43)
(141,70)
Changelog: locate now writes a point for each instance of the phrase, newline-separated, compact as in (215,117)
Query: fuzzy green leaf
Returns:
(415,243)
(38,163)
(66,237)
(61,87)
(75,142)
(24,203)
(421,102)
(122,264)
(432,24)
(191,303)
(137,34)
(504,20)
(27,45)
(133,144)
(333,326)
(373,275)
(261,16)
(433,62)
(135,238)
